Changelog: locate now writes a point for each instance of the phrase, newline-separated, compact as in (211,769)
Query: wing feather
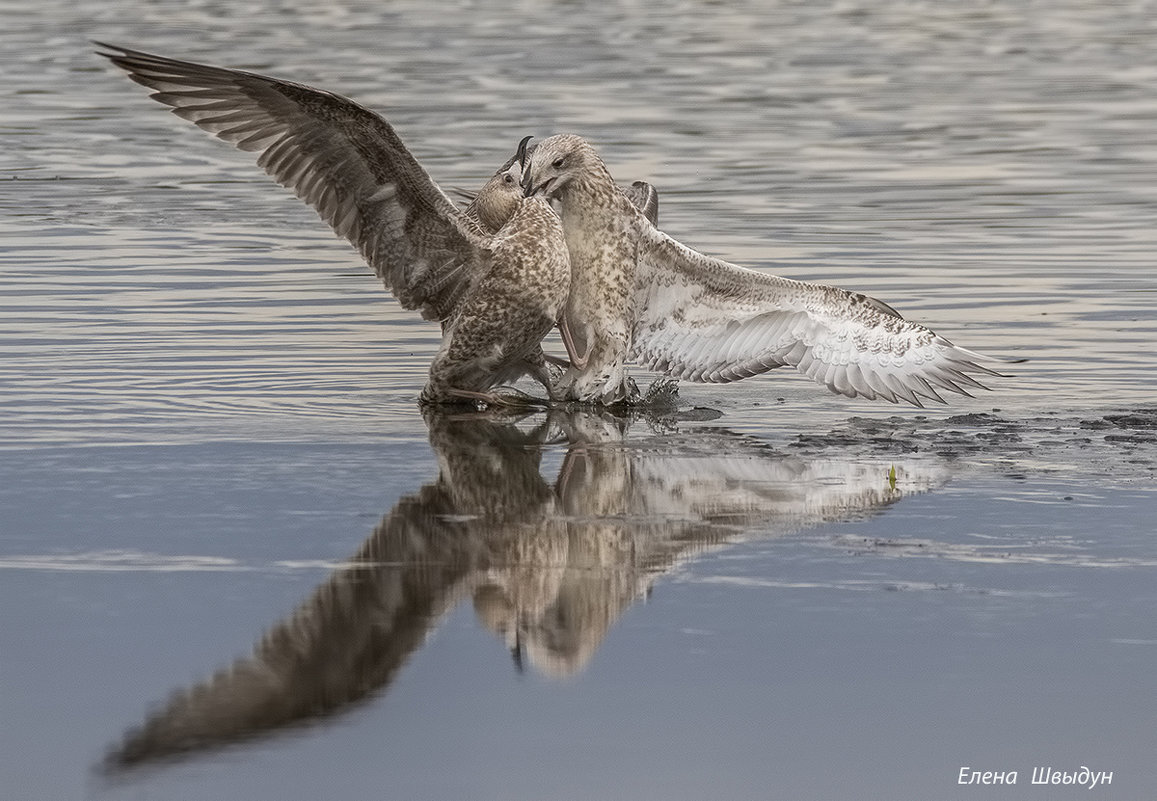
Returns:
(646,199)
(339,157)
(703,319)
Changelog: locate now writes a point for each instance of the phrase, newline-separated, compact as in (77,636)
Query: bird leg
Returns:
(579,362)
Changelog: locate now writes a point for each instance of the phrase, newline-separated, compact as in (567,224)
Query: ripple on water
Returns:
(971,171)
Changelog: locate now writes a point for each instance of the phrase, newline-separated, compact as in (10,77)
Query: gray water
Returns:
(236,562)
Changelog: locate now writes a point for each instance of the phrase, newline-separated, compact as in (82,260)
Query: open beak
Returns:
(529,189)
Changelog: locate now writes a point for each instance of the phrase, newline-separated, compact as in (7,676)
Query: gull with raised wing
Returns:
(495,274)
(637,294)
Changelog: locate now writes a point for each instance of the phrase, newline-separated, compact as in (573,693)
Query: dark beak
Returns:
(520,154)
(524,182)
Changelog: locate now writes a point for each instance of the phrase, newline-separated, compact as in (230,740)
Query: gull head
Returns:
(499,197)
(554,163)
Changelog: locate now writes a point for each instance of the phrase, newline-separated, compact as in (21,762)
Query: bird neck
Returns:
(593,202)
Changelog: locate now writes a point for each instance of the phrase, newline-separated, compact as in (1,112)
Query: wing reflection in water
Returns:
(549,568)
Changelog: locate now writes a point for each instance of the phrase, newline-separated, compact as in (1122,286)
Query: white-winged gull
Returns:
(637,294)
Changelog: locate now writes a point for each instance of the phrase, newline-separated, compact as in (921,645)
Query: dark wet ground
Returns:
(1113,445)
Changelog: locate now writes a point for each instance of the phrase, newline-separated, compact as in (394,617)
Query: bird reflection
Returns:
(549,566)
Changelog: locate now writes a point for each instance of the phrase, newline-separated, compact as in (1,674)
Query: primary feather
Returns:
(639,294)
(339,157)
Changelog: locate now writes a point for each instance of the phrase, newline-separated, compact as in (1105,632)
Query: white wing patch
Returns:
(703,319)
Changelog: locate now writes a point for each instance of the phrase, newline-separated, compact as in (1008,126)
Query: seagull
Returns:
(639,295)
(494,335)
(495,274)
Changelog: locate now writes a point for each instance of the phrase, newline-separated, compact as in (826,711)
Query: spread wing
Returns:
(703,319)
(342,159)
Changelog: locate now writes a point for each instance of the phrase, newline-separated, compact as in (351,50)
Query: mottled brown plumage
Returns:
(638,294)
(348,163)
(494,335)
(495,275)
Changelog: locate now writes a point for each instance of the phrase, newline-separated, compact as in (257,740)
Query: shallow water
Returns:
(237,563)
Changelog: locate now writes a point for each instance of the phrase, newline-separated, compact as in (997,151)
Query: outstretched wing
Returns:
(342,159)
(704,319)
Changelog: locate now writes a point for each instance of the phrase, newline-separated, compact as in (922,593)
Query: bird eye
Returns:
(508,178)
(557,163)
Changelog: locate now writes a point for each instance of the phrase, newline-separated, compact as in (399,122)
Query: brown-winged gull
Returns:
(493,290)
(496,275)
(494,335)
(638,294)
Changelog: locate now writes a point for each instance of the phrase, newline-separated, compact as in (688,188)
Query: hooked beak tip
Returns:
(524,181)
(521,152)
